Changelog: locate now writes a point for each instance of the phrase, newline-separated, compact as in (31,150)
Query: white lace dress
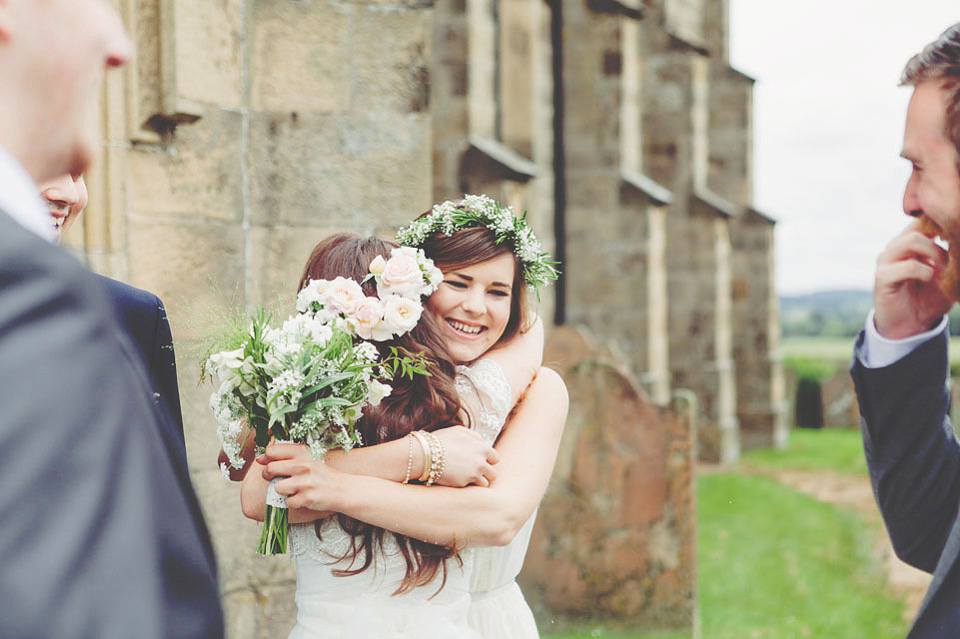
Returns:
(498,609)
(480,600)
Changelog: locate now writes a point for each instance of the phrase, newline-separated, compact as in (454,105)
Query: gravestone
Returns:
(615,534)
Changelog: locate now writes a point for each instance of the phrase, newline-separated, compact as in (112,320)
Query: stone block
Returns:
(209,40)
(300,56)
(326,170)
(391,60)
(198,175)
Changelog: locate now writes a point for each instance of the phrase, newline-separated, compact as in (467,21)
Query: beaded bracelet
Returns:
(438,457)
(427,457)
(406,479)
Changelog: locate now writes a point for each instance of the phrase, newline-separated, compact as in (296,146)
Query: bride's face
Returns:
(472,306)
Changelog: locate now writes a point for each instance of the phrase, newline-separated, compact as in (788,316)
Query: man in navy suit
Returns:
(140,313)
(900,363)
(101,534)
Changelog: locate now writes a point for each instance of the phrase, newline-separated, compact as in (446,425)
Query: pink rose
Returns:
(366,317)
(344,295)
(401,276)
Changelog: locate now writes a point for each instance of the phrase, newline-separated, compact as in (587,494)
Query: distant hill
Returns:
(826,313)
(834,314)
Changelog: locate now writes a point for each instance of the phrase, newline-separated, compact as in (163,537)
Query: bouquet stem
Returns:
(273,537)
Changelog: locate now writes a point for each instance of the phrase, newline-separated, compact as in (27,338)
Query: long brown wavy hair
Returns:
(425,402)
(471,246)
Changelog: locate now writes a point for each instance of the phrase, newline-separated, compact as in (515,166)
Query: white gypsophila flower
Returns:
(224,470)
(401,314)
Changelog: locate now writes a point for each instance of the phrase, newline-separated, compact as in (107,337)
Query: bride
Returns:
(478,309)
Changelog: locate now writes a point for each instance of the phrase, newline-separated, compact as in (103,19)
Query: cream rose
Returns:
(344,295)
(401,276)
(366,318)
(377,265)
(401,314)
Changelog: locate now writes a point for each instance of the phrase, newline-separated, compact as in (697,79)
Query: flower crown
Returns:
(401,281)
(481,211)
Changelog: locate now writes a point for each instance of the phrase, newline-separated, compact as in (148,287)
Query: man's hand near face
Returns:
(906,297)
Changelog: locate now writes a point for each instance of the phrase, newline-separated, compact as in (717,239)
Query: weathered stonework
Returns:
(615,535)
(248,130)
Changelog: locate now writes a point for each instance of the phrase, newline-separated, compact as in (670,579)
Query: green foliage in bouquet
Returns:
(306,381)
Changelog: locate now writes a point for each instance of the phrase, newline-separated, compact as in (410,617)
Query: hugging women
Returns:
(422,530)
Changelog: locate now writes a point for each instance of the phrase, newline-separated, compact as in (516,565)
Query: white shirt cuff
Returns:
(878,351)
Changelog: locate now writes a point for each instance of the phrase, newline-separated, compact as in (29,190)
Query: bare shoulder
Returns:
(548,389)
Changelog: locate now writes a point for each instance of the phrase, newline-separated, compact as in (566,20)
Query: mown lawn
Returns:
(838,350)
(777,564)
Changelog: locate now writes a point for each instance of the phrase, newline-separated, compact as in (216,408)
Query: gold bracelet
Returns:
(438,459)
(425,445)
(406,479)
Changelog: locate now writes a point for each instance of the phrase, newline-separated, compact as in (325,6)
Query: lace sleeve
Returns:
(485,394)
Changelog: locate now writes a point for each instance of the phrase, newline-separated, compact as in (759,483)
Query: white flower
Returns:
(234,371)
(377,264)
(224,470)
(401,314)
(312,293)
(367,352)
(226,365)
(378,391)
(317,330)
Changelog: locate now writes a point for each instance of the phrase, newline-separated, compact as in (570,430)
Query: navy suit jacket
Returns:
(914,461)
(143,318)
(101,534)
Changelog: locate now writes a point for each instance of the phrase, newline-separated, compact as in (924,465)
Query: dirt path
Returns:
(854,492)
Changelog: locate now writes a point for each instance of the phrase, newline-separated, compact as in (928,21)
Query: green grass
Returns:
(776,564)
(838,350)
(831,349)
(820,449)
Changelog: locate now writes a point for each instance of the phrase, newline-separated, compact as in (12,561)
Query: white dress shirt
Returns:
(21,200)
(877,351)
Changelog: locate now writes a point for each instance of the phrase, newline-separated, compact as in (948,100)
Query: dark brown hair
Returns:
(471,246)
(940,61)
(425,402)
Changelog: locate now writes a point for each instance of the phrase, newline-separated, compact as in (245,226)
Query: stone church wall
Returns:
(247,130)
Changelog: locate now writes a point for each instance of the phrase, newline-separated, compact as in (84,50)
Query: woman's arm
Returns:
(520,358)
(471,516)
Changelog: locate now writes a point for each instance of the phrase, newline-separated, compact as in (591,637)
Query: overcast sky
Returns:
(828,126)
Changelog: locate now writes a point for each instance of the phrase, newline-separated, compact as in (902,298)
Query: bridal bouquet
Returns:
(308,380)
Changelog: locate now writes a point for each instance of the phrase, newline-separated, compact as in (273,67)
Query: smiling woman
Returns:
(473,305)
